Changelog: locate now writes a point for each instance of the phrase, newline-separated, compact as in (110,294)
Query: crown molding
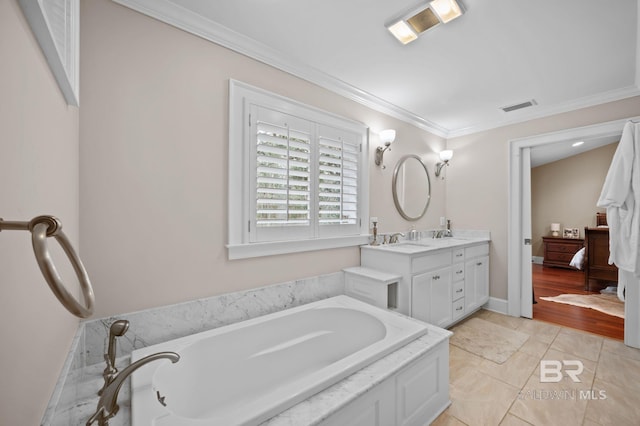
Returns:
(56,26)
(540,111)
(186,20)
(177,16)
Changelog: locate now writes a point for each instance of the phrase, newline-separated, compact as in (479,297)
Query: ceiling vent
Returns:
(521,105)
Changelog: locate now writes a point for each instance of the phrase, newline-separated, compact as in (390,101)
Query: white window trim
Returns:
(239,247)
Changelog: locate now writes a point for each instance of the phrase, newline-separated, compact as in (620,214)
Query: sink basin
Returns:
(405,247)
(441,241)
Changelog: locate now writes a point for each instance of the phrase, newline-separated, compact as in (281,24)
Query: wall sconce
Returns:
(386,137)
(445,156)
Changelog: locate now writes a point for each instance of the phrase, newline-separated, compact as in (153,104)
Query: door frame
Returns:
(520,198)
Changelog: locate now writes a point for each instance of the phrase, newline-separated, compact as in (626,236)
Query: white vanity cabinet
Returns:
(476,283)
(438,285)
(431,299)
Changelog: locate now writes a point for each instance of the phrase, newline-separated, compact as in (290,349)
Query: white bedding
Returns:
(578,259)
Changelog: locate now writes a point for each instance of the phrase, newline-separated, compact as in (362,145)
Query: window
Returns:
(296,176)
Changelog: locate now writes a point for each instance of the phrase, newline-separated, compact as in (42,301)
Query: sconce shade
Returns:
(387,136)
(446,155)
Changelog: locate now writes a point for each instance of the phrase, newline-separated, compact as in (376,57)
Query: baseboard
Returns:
(500,306)
(537,259)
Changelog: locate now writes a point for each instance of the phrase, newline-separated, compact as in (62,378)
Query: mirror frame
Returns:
(394,182)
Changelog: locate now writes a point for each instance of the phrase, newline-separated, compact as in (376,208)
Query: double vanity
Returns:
(436,280)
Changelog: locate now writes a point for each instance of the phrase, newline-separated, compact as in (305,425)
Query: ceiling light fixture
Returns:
(447,10)
(408,27)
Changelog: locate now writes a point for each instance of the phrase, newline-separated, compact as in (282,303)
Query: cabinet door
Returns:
(431,297)
(476,289)
(422,389)
(375,408)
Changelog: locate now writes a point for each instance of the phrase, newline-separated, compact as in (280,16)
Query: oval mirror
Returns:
(411,187)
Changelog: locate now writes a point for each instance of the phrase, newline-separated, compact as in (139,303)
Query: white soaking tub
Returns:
(247,372)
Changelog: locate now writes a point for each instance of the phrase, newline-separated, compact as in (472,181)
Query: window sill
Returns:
(245,251)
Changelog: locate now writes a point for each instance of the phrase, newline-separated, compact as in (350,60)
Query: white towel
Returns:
(621,197)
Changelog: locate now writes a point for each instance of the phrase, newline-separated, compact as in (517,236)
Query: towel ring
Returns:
(42,227)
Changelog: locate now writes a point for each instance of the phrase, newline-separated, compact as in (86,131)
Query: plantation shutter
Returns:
(338,167)
(282,180)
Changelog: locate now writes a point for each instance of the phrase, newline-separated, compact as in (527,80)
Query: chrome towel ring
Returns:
(42,227)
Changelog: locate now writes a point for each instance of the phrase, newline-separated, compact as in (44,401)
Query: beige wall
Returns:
(153,180)
(154,171)
(38,175)
(478,178)
(566,192)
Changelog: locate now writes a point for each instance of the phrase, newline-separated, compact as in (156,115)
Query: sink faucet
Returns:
(447,232)
(441,233)
(394,238)
(108,403)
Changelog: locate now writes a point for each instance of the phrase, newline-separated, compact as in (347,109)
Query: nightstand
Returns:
(559,251)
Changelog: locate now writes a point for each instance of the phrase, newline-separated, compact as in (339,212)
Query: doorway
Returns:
(520,294)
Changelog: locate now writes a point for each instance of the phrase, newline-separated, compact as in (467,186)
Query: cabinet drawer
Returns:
(458,308)
(563,248)
(458,272)
(458,290)
(559,257)
(474,251)
(432,261)
(458,255)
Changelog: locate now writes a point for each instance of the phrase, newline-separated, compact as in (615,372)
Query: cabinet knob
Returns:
(479,264)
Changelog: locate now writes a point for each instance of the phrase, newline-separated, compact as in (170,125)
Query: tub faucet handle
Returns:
(118,328)
(108,403)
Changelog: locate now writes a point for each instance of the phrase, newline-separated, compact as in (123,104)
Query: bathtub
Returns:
(247,372)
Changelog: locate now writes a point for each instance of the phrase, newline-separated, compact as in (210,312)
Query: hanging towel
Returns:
(621,197)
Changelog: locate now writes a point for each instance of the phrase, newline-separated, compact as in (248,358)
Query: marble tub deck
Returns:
(75,398)
(309,412)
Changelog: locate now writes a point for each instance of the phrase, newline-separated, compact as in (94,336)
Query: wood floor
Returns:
(549,281)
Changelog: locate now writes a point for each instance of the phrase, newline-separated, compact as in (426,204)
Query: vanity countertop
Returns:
(426,245)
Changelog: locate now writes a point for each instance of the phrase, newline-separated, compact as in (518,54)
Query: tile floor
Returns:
(485,393)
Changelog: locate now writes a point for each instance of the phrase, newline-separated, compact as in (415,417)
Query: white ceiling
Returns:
(565,54)
(544,154)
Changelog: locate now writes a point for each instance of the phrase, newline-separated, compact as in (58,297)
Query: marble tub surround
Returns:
(165,323)
(75,396)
